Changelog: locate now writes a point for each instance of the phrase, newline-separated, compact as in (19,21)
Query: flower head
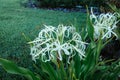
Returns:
(104,24)
(52,43)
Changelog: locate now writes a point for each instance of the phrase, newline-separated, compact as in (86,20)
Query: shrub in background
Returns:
(104,8)
(68,3)
(57,3)
(115,2)
(48,3)
(28,3)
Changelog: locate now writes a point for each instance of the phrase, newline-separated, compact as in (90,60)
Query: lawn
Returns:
(18,25)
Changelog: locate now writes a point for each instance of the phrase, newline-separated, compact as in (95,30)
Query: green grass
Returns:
(16,20)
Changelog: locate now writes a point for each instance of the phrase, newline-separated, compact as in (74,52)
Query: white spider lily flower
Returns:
(54,42)
(104,24)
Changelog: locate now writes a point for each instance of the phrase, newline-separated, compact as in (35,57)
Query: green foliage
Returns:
(14,46)
(89,27)
(14,69)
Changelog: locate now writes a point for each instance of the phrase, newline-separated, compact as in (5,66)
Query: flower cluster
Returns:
(54,42)
(104,24)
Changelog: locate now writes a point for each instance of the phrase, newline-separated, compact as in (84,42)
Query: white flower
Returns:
(104,24)
(52,43)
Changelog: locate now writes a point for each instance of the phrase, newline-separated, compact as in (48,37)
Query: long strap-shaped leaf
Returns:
(10,67)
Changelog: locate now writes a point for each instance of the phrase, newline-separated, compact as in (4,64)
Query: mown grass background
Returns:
(16,20)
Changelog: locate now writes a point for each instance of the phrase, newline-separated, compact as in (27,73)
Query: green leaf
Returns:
(113,7)
(99,48)
(49,69)
(12,68)
(77,65)
(89,26)
(62,71)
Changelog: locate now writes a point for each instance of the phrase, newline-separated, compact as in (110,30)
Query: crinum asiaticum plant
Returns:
(53,43)
(56,44)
